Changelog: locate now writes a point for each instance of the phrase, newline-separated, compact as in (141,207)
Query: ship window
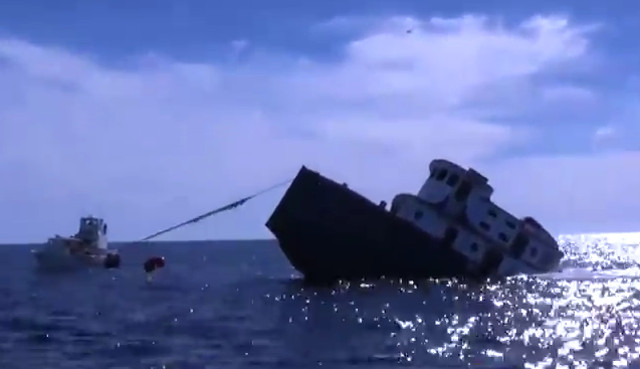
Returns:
(463,191)
(453,179)
(484,226)
(503,237)
(491,261)
(474,247)
(418,215)
(492,213)
(510,224)
(450,235)
(519,244)
(441,175)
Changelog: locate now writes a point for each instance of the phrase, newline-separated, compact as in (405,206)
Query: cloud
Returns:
(603,135)
(164,139)
(565,93)
(572,193)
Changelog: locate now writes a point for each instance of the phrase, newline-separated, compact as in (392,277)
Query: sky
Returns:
(148,113)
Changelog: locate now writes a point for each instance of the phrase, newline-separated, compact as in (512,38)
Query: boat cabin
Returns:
(454,205)
(93,231)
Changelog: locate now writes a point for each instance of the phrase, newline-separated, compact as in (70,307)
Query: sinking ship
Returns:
(451,228)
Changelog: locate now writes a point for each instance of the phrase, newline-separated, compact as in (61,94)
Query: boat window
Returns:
(450,235)
(484,226)
(519,244)
(510,224)
(441,175)
(492,213)
(453,179)
(418,215)
(491,261)
(474,247)
(503,237)
(463,191)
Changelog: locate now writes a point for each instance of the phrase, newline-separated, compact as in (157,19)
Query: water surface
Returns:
(240,305)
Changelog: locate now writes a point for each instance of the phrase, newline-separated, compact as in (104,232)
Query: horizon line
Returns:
(558,237)
(155,242)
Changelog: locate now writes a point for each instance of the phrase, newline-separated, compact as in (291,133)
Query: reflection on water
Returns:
(533,323)
(582,317)
(238,306)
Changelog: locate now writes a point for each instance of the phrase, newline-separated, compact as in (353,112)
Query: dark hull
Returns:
(329,232)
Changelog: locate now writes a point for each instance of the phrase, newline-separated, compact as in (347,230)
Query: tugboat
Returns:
(87,248)
(451,228)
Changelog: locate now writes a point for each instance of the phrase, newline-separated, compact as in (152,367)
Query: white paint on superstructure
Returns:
(454,205)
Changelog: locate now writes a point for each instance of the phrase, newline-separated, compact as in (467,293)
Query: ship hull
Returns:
(330,232)
(55,256)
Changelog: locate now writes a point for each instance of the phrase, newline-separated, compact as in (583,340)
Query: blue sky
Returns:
(150,112)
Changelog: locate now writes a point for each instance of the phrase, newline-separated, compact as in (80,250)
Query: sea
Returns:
(239,304)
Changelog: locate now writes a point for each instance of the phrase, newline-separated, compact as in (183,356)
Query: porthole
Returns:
(453,180)
(503,237)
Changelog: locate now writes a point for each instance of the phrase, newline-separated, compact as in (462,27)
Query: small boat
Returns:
(87,248)
(451,228)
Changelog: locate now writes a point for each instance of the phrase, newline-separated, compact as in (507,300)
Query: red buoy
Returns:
(153,263)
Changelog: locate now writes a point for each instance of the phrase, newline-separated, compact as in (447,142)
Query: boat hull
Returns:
(330,232)
(56,256)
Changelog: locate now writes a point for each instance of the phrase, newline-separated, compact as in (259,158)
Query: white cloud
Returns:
(573,193)
(604,135)
(564,93)
(166,140)
(443,61)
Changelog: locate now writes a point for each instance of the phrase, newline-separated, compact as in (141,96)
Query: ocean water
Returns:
(240,305)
